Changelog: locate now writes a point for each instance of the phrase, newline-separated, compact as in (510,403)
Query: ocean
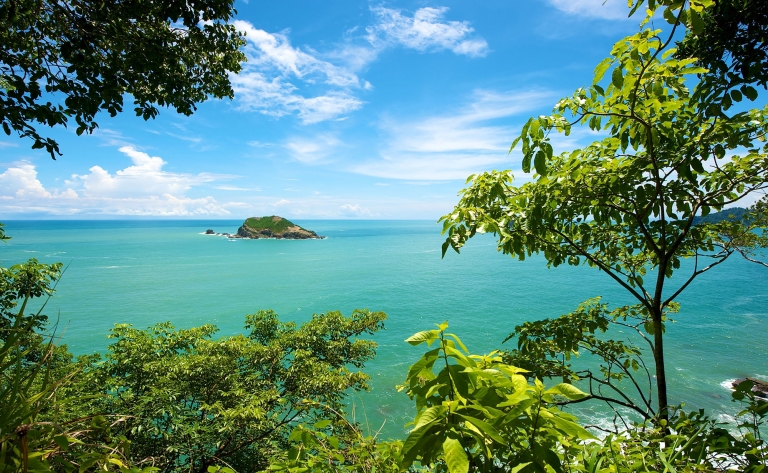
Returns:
(147,271)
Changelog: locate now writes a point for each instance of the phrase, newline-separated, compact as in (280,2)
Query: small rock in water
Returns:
(760,388)
(210,232)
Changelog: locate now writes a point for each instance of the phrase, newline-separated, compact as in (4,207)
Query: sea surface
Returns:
(145,272)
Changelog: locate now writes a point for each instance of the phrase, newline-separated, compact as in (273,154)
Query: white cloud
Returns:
(141,189)
(314,149)
(145,177)
(280,79)
(453,145)
(236,188)
(111,137)
(259,144)
(20,182)
(193,139)
(264,85)
(603,9)
(274,50)
(349,210)
(426,30)
(439,167)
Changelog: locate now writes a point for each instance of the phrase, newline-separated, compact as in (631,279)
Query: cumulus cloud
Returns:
(145,177)
(603,9)
(141,189)
(426,30)
(452,145)
(20,181)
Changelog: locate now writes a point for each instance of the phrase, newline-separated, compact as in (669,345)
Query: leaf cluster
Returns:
(625,204)
(75,58)
(476,413)
(187,401)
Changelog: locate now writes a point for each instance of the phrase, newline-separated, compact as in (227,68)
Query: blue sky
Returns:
(345,109)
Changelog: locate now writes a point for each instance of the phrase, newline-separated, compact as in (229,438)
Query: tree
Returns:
(188,402)
(730,39)
(74,58)
(625,204)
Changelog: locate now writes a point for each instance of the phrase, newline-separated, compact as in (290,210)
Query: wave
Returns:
(728,384)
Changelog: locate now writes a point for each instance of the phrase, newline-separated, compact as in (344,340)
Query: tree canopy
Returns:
(75,58)
(672,149)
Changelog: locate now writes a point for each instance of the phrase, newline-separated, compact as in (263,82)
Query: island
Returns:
(273,226)
(734,214)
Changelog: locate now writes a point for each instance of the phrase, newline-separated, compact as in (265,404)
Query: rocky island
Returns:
(270,227)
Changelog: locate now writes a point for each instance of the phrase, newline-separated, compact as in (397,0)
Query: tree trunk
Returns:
(658,357)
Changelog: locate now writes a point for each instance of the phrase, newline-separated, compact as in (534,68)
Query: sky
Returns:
(344,109)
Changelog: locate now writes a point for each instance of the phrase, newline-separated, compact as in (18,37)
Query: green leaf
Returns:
(430,415)
(519,467)
(601,69)
(697,24)
(571,429)
(669,15)
(413,445)
(485,428)
(455,456)
(428,336)
(750,92)
(540,163)
(568,390)
(696,165)
(616,78)
(527,162)
(649,327)
(322,424)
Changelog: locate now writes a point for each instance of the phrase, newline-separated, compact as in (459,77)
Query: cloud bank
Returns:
(143,188)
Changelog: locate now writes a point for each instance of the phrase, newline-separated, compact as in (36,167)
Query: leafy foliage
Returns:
(730,39)
(617,375)
(625,204)
(337,447)
(477,413)
(31,384)
(72,59)
(188,402)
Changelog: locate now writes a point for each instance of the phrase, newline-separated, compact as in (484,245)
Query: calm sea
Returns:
(144,272)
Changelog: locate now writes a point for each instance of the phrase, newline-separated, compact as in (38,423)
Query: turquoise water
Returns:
(144,272)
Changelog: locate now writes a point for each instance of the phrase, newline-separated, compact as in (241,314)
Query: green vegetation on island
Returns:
(274,227)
